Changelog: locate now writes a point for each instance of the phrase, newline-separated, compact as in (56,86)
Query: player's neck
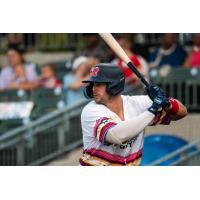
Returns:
(115,104)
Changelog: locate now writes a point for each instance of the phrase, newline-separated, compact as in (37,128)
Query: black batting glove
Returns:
(158,103)
(155,91)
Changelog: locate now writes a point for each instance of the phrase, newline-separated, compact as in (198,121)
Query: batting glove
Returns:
(158,103)
(154,91)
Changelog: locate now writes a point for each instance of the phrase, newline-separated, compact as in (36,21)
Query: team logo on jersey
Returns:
(94,71)
(128,144)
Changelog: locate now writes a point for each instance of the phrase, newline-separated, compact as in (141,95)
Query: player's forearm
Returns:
(127,130)
(177,110)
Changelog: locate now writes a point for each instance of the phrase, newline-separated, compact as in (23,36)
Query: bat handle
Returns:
(134,69)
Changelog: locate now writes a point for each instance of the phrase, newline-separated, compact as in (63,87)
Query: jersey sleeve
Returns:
(96,123)
(161,118)
(101,128)
(143,102)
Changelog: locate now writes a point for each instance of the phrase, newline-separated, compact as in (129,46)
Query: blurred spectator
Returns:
(18,77)
(139,46)
(18,74)
(48,77)
(140,63)
(73,81)
(92,46)
(92,61)
(170,54)
(193,59)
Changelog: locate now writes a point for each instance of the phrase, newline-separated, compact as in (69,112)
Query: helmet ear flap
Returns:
(88,92)
(115,88)
(109,89)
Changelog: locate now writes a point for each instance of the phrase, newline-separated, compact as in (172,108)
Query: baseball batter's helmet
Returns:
(110,74)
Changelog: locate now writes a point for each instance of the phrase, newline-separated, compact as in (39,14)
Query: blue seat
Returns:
(159,145)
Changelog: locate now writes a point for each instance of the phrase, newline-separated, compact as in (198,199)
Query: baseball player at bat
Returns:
(113,125)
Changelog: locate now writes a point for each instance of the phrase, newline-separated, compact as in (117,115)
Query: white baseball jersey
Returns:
(97,119)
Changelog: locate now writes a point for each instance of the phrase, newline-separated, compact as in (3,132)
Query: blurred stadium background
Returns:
(40,121)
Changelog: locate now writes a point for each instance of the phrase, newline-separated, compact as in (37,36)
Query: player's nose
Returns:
(94,88)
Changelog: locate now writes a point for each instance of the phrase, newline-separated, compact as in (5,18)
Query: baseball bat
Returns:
(114,45)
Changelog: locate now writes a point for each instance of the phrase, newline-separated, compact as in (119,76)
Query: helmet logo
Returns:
(94,71)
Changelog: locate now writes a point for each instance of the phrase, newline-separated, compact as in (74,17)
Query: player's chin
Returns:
(97,100)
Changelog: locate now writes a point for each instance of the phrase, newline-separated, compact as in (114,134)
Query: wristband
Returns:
(174,107)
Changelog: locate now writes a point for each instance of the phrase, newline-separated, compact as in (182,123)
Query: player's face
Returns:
(99,92)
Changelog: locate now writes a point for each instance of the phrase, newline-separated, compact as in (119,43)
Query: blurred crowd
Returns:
(19,74)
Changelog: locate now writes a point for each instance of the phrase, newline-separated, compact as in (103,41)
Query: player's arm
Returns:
(107,131)
(176,110)
(126,130)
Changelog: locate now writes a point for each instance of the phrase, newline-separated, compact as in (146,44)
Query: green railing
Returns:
(182,84)
(43,139)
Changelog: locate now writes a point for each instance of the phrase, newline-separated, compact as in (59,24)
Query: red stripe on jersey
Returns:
(98,122)
(105,129)
(113,157)
(156,119)
(161,118)
(166,120)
